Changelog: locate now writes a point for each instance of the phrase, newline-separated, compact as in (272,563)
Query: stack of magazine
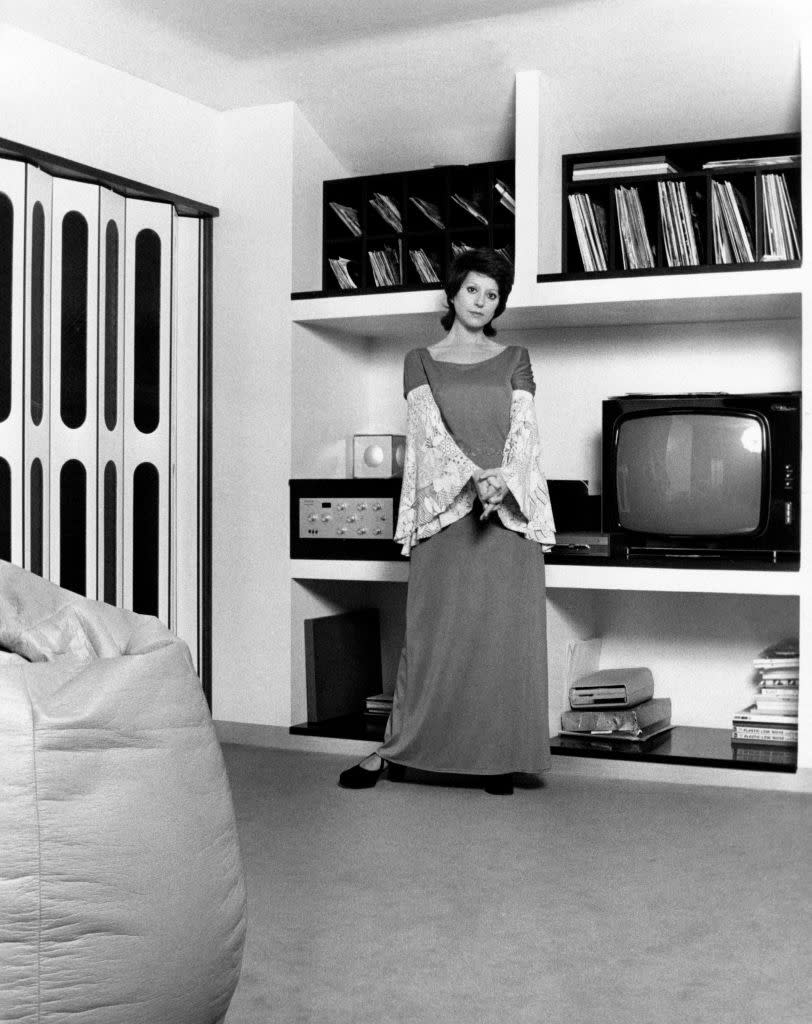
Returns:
(506,252)
(589,220)
(376,712)
(679,224)
(635,247)
(732,238)
(505,196)
(427,268)
(626,167)
(349,217)
(385,265)
(780,227)
(339,267)
(429,210)
(770,721)
(457,248)
(470,207)
(387,209)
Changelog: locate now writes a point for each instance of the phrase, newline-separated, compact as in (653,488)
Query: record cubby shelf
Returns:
(754,182)
(409,224)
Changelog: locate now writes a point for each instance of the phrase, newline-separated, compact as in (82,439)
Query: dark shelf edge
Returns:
(710,268)
(687,746)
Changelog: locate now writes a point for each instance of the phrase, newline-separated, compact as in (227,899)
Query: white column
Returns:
(74,384)
(110,514)
(147,390)
(37,413)
(186,368)
(12,199)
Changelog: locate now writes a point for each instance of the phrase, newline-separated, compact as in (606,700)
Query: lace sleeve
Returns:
(527,508)
(438,488)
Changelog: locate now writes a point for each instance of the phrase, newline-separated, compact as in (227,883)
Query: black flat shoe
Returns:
(499,785)
(395,772)
(360,778)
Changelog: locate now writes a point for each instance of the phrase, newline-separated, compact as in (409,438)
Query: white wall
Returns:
(252,415)
(62,103)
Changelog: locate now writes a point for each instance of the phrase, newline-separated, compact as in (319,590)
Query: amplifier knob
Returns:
(361,530)
(341,530)
(312,517)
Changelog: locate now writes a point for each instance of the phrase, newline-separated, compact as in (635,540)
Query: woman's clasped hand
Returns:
(491,490)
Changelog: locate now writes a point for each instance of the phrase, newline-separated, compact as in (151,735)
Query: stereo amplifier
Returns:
(344,518)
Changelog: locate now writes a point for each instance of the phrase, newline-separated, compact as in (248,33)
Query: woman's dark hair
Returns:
(480,261)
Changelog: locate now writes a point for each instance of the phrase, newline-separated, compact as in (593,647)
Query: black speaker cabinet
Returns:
(342,662)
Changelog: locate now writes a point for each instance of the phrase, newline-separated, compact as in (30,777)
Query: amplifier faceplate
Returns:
(346,519)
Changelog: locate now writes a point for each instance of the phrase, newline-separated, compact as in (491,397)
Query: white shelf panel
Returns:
(581,577)
(685,581)
(679,298)
(348,569)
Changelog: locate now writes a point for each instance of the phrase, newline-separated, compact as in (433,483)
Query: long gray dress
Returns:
(471,693)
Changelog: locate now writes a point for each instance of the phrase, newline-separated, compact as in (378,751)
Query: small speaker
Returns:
(378,455)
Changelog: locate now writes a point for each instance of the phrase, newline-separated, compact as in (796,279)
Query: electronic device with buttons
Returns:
(344,518)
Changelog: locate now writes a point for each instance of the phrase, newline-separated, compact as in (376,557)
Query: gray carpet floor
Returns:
(577,900)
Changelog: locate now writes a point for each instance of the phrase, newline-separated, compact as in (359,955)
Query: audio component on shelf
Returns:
(378,455)
(344,518)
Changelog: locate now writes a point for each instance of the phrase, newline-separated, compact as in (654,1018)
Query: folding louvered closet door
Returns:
(99,393)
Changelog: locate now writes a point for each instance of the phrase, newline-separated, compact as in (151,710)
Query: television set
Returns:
(703,476)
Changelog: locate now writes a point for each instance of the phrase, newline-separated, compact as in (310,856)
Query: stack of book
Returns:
(427,269)
(429,210)
(589,219)
(780,226)
(340,269)
(679,224)
(616,704)
(377,711)
(628,167)
(732,240)
(385,265)
(635,247)
(771,720)
(348,216)
(505,196)
(387,209)
(470,207)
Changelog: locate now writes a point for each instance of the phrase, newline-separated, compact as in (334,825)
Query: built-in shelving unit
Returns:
(667,209)
(358,333)
(399,231)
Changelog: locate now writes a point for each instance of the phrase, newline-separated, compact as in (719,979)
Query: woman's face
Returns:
(476,301)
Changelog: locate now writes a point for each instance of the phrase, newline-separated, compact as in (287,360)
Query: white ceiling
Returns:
(398,84)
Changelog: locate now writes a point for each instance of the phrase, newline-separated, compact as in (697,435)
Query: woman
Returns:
(474,516)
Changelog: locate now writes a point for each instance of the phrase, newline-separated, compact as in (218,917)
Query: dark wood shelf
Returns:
(683,745)
(474,182)
(688,161)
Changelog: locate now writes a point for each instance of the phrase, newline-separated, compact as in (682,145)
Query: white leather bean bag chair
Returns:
(122,898)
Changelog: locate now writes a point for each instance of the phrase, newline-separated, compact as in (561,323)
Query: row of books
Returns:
(388,209)
(771,718)
(658,164)
(377,709)
(732,240)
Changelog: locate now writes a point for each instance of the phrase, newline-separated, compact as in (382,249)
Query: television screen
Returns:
(691,473)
